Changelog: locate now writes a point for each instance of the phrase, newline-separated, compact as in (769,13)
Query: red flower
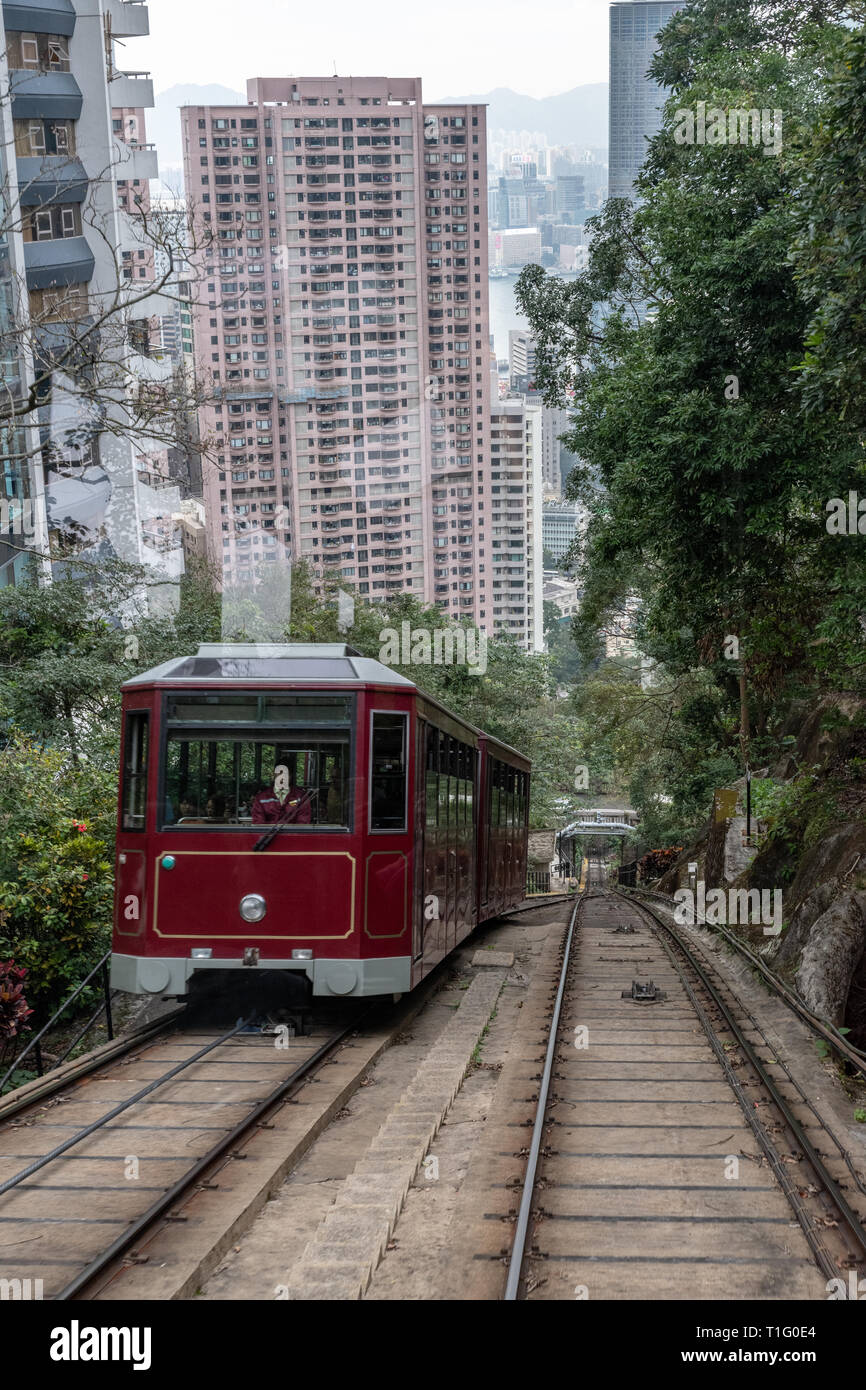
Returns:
(85,877)
(13,1006)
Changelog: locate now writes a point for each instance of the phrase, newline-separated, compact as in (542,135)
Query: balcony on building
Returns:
(58,261)
(129,18)
(134,161)
(39,16)
(133,89)
(53,95)
(44,179)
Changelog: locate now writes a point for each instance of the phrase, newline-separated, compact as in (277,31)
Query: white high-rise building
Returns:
(77,169)
(516,511)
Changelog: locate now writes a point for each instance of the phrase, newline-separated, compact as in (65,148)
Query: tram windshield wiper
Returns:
(264,840)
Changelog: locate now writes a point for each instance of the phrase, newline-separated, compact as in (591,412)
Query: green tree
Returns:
(829,252)
(680,341)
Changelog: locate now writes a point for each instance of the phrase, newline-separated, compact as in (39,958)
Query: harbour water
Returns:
(504,313)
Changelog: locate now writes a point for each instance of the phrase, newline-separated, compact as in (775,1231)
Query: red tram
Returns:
(305,809)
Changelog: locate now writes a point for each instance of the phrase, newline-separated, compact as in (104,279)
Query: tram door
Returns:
(430,848)
(446,859)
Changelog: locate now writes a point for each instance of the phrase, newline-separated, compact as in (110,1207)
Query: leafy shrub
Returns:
(56,886)
(14,1011)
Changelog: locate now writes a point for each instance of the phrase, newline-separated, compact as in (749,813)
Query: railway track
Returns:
(98,1159)
(674,1154)
(844,1050)
(90,1171)
(62,1076)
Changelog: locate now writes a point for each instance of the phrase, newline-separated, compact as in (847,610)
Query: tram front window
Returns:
(221,781)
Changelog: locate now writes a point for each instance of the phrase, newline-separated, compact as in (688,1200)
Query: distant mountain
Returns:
(578,117)
(163,122)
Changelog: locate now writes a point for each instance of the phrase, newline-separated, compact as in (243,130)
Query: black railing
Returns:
(34,1043)
(538,881)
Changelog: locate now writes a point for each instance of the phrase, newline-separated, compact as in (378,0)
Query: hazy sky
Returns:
(537,47)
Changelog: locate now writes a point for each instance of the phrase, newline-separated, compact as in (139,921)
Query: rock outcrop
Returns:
(830,958)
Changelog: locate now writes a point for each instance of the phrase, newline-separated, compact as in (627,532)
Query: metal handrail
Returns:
(34,1042)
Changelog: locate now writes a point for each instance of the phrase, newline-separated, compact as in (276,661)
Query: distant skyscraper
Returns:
(635,100)
(570,198)
(560,523)
(516,511)
(521,359)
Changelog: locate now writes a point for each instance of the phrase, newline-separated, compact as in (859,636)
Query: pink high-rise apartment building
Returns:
(343,312)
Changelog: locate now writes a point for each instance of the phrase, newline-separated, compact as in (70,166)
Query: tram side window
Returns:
(135,769)
(431,788)
(462,752)
(450,781)
(470,785)
(388,772)
(494,792)
(518,800)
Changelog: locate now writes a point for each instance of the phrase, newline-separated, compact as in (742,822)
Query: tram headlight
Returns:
(253,907)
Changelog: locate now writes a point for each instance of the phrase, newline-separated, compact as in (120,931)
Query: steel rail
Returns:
(52,1082)
(118,1109)
(852,1221)
(519,1245)
(772,1156)
(543,900)
(830,1034)
(171,1195)
(844,1153)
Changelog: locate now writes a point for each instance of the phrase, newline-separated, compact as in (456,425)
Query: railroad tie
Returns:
(338,1263)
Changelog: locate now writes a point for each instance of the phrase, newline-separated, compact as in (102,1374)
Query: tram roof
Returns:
(253,661)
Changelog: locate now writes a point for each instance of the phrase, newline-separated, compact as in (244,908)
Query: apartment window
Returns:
(68,302)
(38,52)
(28,51)
(36,137)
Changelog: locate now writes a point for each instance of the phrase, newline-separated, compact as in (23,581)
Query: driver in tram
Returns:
(283,801)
